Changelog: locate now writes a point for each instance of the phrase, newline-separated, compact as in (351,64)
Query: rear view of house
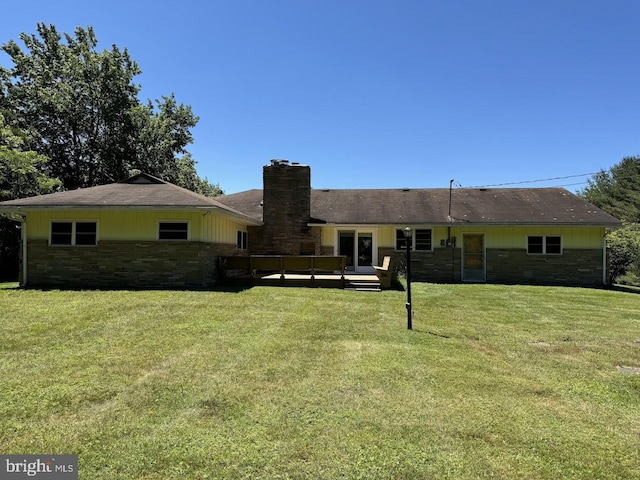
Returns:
(521,235)
(144,232)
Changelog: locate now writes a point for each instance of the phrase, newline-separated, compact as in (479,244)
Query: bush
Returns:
(624,254)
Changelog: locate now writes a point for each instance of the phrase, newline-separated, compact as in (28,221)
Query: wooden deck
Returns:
(295,271)
(351,281)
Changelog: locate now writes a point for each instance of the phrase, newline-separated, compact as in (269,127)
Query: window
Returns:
(401,242)
(421,239)
(553,245)
(241,240)
(541,245)
(86,233)
(74,233)
(173,231)
(61,233)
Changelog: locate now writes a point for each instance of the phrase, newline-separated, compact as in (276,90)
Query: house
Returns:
(515,235)
(144,232)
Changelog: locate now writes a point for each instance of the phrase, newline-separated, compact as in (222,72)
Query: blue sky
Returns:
(382,94)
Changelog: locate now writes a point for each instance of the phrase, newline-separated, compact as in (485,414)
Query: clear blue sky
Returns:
(382,94)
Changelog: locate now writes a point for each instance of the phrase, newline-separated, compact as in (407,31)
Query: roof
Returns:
(430,206)
(140,191)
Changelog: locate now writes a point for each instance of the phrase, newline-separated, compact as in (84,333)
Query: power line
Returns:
(534,181)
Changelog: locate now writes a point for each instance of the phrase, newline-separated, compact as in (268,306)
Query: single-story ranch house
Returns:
(147,233)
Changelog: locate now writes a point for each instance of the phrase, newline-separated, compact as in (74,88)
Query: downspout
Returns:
(23,232)
(449,215)
(605,277)
(449,242)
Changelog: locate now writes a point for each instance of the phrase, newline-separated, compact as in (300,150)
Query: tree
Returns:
(163,135)
(19,176)
(80,108)
(624,254)
(617,191)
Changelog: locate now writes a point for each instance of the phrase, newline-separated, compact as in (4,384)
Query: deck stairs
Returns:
(362,283)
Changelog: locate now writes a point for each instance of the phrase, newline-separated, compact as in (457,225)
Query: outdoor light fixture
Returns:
(407,235)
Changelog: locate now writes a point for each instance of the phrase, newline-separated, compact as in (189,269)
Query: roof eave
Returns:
(22,209)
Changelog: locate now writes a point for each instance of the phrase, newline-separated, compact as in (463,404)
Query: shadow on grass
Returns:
(222,288)
(625,288)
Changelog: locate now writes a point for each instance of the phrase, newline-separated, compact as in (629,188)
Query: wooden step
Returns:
(363,286)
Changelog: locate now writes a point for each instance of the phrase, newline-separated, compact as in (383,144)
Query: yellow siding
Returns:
(132,225)
(328,237)
(217,229)
(516,237)
(495,237)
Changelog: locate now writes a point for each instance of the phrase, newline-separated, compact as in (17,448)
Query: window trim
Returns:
(413,240)
(74,233)
(544,245)
(188,231)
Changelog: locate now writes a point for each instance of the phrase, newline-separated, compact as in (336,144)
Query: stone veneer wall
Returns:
(440,266)
(286,212)
(126,265)
(579,267)
(511,266)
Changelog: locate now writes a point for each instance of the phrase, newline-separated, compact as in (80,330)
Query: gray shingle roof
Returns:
(502,206)
(139,191)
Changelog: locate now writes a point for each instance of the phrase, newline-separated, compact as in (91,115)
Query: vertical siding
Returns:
(328,236)
(495,237)
(516,237)
(217,229)
(130,225)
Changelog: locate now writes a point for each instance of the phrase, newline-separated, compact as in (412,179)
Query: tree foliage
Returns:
(20,171)
(79,107)
(617,191)
(20,175)
(624,254)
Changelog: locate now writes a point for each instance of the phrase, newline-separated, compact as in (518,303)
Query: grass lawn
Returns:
(493,382)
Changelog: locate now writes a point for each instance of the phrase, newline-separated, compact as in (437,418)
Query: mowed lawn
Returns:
(493,382)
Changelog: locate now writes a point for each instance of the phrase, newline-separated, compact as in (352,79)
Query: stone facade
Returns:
(579,267)
(440,266)
(286,212)
(112,264)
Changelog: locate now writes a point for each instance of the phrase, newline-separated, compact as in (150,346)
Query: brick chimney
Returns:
(286,211)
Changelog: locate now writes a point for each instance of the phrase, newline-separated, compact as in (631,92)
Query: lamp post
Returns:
(407,237)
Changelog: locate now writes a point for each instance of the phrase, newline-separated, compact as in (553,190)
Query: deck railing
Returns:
(308,264)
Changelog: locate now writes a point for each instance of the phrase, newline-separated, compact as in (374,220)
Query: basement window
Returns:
(73,233)
(544,245)
(173,231)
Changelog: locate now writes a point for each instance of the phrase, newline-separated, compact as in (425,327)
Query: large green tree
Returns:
(617,191)
(79,107)
(20,175)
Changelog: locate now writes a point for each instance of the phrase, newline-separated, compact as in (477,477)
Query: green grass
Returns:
(493,382)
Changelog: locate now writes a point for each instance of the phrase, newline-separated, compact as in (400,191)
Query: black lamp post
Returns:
(407,236)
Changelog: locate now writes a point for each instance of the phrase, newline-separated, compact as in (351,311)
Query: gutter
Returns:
(17,217)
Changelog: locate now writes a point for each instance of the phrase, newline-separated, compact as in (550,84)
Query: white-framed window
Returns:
(242,240)
(421,239)
(544,245)
(74,233)
(172,230)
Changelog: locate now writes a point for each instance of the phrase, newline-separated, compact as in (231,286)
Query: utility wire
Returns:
(533,181)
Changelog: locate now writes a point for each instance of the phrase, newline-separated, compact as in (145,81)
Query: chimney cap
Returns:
(278,161)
